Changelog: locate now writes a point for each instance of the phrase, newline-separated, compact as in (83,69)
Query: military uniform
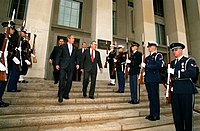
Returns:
(120,67)
(112,54)
(152,79)
(136,59)
(183,90)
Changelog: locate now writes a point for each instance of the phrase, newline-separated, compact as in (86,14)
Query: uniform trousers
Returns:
(2,88)
(13,78)
(182,109)
(121,81)
(56,74)
(153,96)
(93,75)
(133,87)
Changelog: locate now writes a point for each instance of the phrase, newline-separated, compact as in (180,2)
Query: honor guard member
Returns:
(184,71)
(13,60)
(120,62)
(112,54)
(134,63)
(152,78)
(3,68)
(25,58)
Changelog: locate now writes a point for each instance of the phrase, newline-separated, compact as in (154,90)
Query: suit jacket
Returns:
(182,83)
(64,60)
(152,68)
(136,60)
(53,54)
(87,63)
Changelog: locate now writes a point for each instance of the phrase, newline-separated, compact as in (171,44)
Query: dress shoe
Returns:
(111,84)
(3,104)
(66,97)
(24,81)
(56,82)
(84,96)
(153,118)
(91,97)
(133,102)
(60,99)
(147,117)
(14,91)
(119,91)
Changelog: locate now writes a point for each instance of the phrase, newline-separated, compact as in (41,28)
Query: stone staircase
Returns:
(35,108)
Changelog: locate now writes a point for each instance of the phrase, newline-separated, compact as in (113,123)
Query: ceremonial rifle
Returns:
(127,65)
(169,82)
(34,50)
(143,60)
(105,65)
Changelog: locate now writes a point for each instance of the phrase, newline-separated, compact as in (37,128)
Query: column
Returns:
(102,28)
(144,22)
(38,21)
(174,22)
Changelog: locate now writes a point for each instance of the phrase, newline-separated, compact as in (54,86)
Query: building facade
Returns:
(106,21)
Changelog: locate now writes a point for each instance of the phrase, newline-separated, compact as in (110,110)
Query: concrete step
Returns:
(49,119)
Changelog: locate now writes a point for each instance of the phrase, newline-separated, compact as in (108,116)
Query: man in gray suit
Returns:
(66,61)
(90,59)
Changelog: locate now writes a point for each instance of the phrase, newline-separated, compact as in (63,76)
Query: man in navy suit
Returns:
(152,78)
(66,61)
(90,59)
(52,59)
(183,70)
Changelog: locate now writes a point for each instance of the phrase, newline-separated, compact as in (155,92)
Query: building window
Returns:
(160,34)
(158,7)
(20,7)
(130,3)
(114,23)
(70,12)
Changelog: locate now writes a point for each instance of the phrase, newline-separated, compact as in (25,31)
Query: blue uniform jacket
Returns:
(152,68)
(183,75)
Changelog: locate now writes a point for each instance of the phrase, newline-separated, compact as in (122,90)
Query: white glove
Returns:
(171,70)
(19,49)
(128,61)
(2,67)
(143,65)
(1,53)
(32,55)
(28,62)
(115,60)
(16,60)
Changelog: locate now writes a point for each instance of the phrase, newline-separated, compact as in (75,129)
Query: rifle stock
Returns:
(106,62)
(141,75)
(169,83)
(34,50)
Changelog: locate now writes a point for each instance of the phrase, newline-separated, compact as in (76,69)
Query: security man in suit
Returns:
(13,60)
(52,59)
(3,83)
(120,62)
(90,59)
(112,54)
(152,78)
(134,63)
(66,61)
(81,51)
(184,71)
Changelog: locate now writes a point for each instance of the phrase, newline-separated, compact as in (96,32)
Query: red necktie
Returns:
(92,56)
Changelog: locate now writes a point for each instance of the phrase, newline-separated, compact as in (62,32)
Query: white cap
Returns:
(151,43)
(120,46)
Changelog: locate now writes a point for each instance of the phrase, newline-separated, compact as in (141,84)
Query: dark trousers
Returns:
(121,81)
(112,71)
(13,78)
(56,74)
(79,75)
(65,84)
(86,82)
(182,109)
(2,88)
(133,87)
(153,96)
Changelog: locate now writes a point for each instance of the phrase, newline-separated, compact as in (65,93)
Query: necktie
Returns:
(92,56)
(176,61)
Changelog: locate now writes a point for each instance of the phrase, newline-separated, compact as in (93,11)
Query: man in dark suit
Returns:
(152,78)
(183,70)
(90,59)
(66,61)
(81,51)
(52,59)
(134,63)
